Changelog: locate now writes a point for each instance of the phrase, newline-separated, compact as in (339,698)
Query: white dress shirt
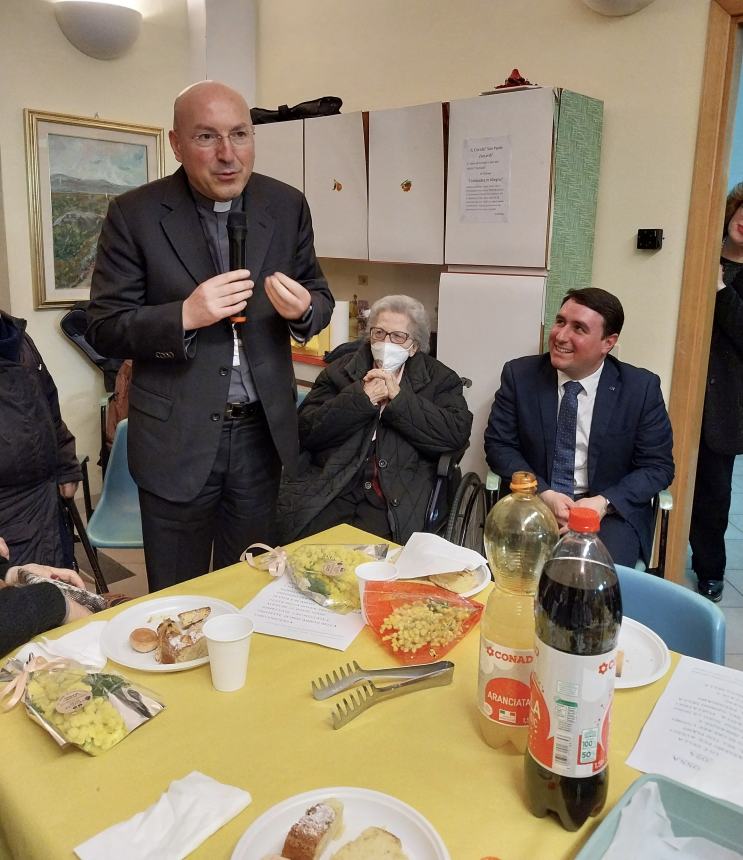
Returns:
(586,401)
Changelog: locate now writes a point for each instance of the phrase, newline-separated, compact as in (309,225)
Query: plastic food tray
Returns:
(691,813)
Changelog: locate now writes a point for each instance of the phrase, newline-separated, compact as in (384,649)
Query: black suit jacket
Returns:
(152,253)
(630,447)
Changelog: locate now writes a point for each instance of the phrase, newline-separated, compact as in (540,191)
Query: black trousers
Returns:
(236,507)
(709,512)
(621,539)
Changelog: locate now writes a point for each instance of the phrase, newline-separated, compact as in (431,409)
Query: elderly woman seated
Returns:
(372,429)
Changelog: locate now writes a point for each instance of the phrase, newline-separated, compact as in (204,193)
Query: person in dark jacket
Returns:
(722,419)
(372,429)
(37,453)
(26,612)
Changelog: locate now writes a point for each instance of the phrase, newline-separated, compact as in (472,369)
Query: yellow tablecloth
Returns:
(274,740)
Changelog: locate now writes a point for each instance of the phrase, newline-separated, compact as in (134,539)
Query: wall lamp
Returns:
(617,7)
(99,29)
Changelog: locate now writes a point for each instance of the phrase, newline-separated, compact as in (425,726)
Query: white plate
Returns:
(362,808)
(115,639)
(483,579)
(646,656)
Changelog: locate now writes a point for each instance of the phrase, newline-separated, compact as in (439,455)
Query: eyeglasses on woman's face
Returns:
(378,334)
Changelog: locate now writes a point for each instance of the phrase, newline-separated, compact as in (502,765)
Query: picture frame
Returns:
(75,165)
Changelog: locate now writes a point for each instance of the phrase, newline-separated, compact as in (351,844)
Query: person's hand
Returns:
(75,610)
(560,505)
(68,490)
(390,380)
(720,282)
(375,389)
(4,551)
(220,297)
(596,503)
(60,573)
(288,296)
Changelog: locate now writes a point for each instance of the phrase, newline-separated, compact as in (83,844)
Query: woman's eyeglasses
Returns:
(398,337)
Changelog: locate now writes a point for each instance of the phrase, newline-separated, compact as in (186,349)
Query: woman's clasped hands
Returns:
(380,386)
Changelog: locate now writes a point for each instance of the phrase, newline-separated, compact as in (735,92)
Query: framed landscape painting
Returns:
(75,165)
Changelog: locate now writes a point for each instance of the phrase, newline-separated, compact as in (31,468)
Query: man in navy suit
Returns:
(622,434)
(212,401)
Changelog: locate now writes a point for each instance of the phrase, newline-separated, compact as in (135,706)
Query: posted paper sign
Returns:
(281,610)
(695,733)
(484,192)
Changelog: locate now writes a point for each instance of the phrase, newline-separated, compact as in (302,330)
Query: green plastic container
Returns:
(691,813)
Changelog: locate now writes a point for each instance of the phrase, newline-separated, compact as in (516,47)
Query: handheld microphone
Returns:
(237,235)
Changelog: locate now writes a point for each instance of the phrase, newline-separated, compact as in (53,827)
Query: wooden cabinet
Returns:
(406,184)
(335,184)
(279,151)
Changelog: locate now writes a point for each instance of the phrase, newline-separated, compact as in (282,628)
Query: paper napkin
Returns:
(645,832)
(188,813)
(83,645)
(425,554)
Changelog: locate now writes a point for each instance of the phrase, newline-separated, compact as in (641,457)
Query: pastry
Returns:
(459,582)
(143,639)
(373,844)
(319,825)
(182,639)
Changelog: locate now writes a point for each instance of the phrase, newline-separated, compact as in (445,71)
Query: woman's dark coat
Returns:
(337,420)
(723,399)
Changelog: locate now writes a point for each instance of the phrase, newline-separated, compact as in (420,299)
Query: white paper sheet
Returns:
(695,734)
(281,610)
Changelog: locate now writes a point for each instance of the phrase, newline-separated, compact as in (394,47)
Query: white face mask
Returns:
(390,356)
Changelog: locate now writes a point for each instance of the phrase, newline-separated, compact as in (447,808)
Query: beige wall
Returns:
(387,53)
(647,69)
(40,69)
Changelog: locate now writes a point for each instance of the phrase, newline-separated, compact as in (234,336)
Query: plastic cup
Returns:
(228,642)
(373,571)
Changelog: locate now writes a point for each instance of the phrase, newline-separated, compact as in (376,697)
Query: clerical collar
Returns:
(215,205)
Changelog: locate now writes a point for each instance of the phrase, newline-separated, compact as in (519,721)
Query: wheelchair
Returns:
(457,506)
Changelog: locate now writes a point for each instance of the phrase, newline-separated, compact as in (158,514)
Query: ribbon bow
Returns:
(274,560)
(17,687)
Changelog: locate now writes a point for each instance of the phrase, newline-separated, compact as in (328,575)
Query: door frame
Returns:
(701,262)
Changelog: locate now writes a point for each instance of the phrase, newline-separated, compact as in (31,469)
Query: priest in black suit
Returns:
(212,414)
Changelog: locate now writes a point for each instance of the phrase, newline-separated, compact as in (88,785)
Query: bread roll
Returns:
(373,844)
(458,582)
(143,639)
(319,825)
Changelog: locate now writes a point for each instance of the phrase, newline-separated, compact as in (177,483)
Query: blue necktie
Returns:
(563,465)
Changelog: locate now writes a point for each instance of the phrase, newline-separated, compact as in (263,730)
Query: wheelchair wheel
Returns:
(467,517)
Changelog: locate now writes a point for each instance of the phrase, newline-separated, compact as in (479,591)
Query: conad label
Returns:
(503,688)
(570,707)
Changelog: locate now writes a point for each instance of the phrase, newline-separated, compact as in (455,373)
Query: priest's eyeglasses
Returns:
(398,337)
(211,140)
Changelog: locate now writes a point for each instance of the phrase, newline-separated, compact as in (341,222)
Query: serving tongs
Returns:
(368,694)
(345,677)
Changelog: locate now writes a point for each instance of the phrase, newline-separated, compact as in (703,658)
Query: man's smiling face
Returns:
(577,342)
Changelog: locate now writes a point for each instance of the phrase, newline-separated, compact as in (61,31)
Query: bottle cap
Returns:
(523,481)
(583,520)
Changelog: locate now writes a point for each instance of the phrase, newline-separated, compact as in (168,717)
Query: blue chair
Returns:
(686,621)
(116,522)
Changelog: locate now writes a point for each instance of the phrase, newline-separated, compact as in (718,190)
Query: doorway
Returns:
(696,308)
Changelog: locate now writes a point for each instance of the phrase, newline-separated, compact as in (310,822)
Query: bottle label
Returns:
(570,707)
(503,688)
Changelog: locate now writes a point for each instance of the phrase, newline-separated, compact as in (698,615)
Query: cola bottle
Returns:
(520,534)
(578,613)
